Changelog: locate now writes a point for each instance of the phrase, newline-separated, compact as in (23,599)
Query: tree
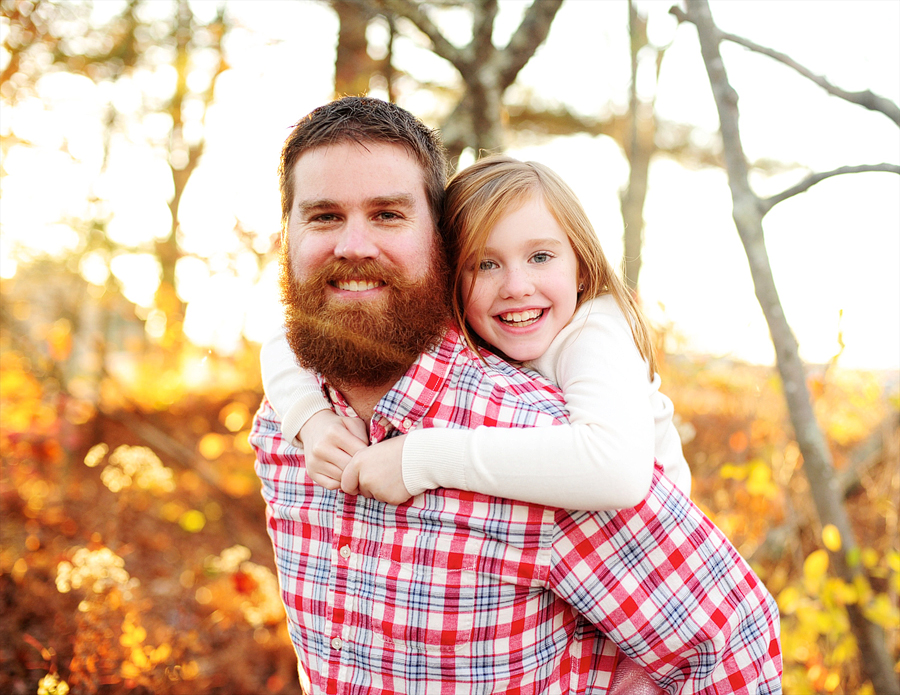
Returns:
(487,71)
(136,43)
(749,211)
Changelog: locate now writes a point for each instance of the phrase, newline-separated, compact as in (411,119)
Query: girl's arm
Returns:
(329,441)
(293,392)
(603,460)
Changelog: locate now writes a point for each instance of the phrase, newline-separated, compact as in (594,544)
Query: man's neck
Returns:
(363,399)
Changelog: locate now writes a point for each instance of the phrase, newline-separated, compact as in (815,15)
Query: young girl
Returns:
(532,284)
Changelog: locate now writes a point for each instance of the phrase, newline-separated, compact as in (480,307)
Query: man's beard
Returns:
(361,343)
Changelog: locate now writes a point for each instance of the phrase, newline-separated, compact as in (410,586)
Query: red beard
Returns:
(363,344)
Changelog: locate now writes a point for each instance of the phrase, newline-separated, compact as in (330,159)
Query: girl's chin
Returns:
(522,353)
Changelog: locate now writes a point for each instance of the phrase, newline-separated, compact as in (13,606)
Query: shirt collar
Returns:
(412,396)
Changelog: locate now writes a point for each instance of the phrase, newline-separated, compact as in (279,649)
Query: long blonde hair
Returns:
(478,196)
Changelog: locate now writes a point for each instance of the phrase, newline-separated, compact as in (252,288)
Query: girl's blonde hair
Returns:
(478,196)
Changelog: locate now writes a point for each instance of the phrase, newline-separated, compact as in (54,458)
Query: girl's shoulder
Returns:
(604,305)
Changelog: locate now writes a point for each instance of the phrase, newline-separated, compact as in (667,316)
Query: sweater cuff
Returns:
(297,415)
(434,458)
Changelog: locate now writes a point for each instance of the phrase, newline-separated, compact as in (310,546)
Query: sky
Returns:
(835,250)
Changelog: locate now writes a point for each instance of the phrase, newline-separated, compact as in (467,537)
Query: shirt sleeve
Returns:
(666,585)
(602,460)
(293,392)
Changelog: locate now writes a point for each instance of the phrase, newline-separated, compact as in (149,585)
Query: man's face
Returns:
(364,292)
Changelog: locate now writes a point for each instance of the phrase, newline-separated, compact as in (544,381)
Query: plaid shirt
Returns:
(458,592)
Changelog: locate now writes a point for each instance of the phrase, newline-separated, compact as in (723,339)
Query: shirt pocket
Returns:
(424,594)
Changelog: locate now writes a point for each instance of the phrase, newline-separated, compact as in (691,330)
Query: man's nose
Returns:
(516,283)
(356,241)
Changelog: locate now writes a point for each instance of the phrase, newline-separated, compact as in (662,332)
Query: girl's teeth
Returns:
(521,317)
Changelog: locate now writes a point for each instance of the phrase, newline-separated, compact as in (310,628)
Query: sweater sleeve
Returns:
(602,460)
(669,452)
(293,392)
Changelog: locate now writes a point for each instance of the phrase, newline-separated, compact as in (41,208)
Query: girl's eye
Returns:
(541,257)
(487,265)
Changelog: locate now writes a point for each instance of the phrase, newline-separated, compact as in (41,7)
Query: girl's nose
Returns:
(356,241)
(516,283)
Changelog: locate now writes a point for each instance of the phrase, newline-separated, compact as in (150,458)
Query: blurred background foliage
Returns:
(133,548)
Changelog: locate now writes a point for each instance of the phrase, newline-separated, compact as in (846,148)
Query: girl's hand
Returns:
(329,442)
(377,472)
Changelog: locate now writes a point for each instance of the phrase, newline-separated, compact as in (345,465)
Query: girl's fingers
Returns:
(325,481)
(356,427)
(350,479)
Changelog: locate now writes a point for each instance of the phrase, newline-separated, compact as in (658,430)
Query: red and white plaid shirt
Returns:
(458,592)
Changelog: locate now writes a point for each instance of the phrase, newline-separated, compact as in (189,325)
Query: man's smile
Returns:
(357,285)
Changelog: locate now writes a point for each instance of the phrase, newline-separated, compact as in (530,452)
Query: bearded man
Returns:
(453,591)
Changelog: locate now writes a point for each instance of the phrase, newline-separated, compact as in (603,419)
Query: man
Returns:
(456,592)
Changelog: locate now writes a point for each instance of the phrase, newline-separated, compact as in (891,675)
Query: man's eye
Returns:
(388,216)
(325,217)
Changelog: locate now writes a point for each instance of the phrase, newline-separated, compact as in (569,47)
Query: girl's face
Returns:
(525,287)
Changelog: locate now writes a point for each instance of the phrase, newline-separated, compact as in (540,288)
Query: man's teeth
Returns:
(521,318)
(357,285)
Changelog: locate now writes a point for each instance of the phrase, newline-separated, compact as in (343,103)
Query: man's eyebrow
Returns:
(308,206)
(395,200)
(400,200)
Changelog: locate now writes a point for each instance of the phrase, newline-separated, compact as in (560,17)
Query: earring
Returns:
(581,287)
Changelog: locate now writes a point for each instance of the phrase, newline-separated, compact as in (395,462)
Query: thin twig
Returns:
(811,180)
(866,98)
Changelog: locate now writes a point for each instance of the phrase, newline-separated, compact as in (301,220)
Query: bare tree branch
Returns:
(818,463)
(866,98)
(484,13)
(440,45)
(531,33)
(811,180)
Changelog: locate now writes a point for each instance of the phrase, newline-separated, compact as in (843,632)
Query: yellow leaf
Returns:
(129,670)
(883,612)
(816,565)
(893,560)
(787,599)
(831,537)
(162,652)
(832,681)
(869,558)
(192,521)
(212,446)
(733,471)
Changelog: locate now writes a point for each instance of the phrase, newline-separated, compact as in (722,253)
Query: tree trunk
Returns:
(817,463)
(639,151)
(352,66)
(487,71)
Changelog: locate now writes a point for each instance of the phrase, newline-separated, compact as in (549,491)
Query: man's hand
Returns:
(329,442)
(377,472)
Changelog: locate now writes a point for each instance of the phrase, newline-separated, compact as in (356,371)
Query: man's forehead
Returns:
(350,153)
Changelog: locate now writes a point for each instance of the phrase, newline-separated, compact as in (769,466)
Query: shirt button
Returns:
(336,643)
(407,423)
(345,551)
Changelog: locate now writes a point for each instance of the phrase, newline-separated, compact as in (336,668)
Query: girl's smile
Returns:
(524,289)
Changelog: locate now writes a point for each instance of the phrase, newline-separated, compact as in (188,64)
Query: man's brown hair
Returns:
(365,120)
